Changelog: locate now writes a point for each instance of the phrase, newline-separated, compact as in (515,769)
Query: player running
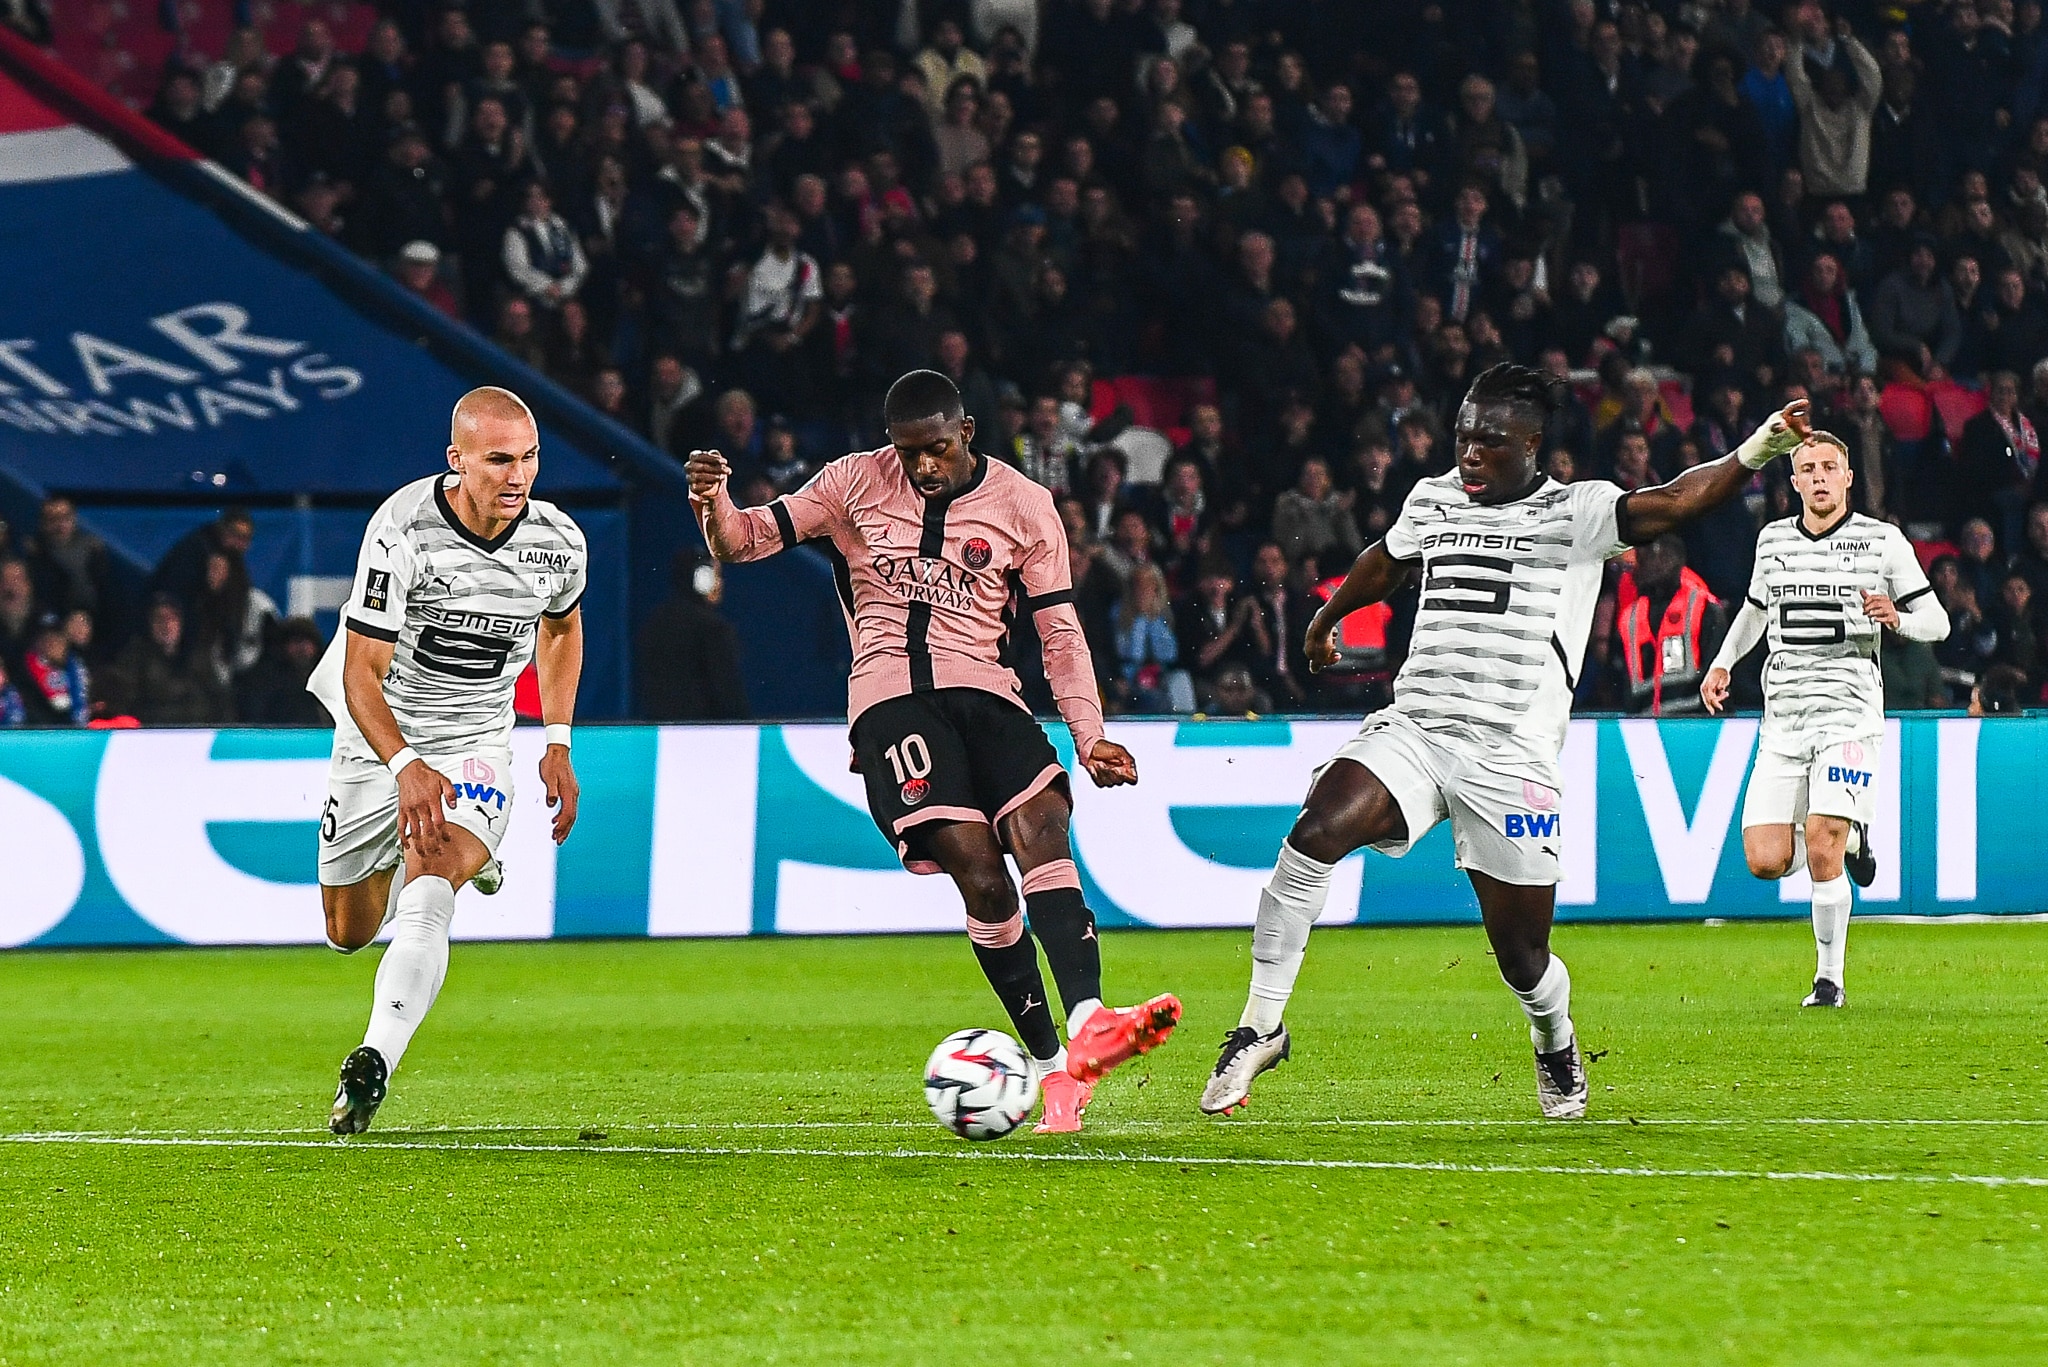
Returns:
(940,546)
(462,579)
(1511,569)
(1825,582)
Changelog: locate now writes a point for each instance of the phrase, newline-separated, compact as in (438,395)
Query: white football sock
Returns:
(1548,1005)
(1832,903)
(1292,899)
(1056,1064)
(414,965)
(1078,1017)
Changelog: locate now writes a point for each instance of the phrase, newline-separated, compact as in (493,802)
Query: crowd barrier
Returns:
(209,837)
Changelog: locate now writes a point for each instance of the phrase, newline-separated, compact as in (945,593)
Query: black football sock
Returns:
(1012,971)
(1066,929)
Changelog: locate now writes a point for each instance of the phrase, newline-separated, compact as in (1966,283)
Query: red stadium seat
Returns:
(1906,410)
(1927,552)
(1956,404)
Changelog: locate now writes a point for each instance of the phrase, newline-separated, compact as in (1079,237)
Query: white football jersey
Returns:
(461,612)
(1508,593)
(1822,683)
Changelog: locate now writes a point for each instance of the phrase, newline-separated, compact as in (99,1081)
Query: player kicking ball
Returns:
(1511,568)
(1826,582)
(933,537)
(463,578)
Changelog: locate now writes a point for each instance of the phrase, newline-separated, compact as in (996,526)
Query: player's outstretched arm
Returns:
(737,534)
(424,793)
(1647,514)
(558,659)
(1374,575)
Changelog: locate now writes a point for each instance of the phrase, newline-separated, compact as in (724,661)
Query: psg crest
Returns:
(916,791)
(976,553)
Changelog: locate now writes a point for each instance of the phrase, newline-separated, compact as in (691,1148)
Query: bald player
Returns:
(463,577)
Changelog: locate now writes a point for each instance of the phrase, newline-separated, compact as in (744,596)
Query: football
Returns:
(980,1084)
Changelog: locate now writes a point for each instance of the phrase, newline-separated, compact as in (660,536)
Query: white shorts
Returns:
(359,824)
(1508,826)
(1838,780)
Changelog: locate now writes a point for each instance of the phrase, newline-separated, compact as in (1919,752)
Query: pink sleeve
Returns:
(781,524)
(1049,594)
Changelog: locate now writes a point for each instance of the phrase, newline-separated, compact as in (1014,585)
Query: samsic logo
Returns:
(1478,541)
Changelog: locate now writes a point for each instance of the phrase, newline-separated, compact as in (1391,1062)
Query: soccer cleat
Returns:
(363,1079)
(1561,1083)
(1246,1054)
(488,879)
(1859,861)
(1114,1035)
(1826,993)
(1066,1100)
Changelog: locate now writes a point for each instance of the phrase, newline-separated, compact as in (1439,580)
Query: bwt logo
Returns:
(1855,778)
(1543,824)
(481,792)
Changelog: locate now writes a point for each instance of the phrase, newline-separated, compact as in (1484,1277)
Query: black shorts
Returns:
(953,754)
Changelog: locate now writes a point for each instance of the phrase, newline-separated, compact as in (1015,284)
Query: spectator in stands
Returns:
(1666,636)
(1314,519)
(54,682)
(71,567)
(518,336)
(1824,316)
(419,270)
(687,655)
(542,256)
(1149,676)
(1220,629)
(273,691)
(1835,109)
(155,679)
(1997,461)
(229,619)
(13,708)
(182,573)
(1733,336)
(1913,319)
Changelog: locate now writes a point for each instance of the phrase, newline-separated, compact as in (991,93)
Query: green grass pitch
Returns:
(719,1153)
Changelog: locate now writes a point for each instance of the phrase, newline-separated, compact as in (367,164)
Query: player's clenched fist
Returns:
(1714,689)
(707,471)
(1320,647)
(1110,765)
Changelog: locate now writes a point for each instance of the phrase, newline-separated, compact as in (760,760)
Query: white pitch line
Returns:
(1108,1125)
(965,1154)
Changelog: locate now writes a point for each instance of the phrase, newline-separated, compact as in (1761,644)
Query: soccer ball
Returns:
(980,1084)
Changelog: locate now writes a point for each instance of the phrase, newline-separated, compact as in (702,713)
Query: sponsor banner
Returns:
(210,837)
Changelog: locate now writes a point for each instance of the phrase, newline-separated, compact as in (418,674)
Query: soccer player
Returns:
(940,547)
(1511,567)
(1825,583)
(463,577)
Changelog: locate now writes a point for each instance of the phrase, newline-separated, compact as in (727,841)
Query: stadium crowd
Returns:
(1217,273)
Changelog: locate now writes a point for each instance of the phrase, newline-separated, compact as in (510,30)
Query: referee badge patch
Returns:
(377,590)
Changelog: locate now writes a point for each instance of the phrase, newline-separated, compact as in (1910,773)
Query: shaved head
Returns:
(484,405)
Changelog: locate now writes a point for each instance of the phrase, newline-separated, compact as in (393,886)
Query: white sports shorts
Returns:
(1509,826)
(359,824)
(1836,780)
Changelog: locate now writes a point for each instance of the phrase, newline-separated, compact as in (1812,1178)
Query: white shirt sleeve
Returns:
(569,596)
(1401,539)
(1596,519)
(1921,615)
(385,569)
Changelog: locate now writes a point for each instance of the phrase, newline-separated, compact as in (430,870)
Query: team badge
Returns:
(916,791)
(1538,797)
(1852,753)
(976,553)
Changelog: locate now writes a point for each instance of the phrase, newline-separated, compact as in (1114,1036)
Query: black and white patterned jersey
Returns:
(462,614)
(1508,592)
(1822,682)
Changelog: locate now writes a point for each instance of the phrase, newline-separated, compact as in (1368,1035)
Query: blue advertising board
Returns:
(208,837)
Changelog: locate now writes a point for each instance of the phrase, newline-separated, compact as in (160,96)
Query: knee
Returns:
(1523,966)
(988,894)
(1770,866)
(346,935)
(1316,836)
